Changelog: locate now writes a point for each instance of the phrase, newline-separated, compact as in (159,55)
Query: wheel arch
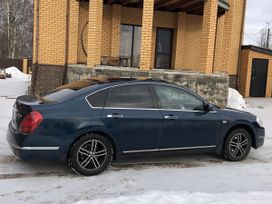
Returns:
(245,127)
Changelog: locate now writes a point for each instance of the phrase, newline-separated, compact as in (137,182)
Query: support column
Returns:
(95,33)
(180,40)
(115,30)
(218,61)
(146,39)
(208,35)
(73,32)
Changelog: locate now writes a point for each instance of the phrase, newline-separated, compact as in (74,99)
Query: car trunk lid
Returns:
(23,106)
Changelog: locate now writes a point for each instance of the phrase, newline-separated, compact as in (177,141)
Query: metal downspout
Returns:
(66,41)
(37,46)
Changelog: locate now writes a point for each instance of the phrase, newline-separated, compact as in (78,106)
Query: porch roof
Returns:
(188,6)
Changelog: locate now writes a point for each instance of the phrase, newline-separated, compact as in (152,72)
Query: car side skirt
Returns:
(167,149)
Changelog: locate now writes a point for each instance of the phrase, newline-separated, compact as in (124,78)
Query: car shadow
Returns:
(12,167)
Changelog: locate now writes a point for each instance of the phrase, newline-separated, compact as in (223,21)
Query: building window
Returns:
(130,45)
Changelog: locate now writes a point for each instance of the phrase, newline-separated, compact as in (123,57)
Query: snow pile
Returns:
(236,100)
(16,85)
(188,198)
(17,74)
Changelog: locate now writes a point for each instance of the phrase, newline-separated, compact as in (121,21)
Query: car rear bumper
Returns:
(22,148)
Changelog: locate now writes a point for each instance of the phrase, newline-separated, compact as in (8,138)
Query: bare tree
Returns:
(16,28)
(265,39)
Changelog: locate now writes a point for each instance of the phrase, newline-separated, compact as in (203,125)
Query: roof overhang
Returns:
(257,49)
(188,6)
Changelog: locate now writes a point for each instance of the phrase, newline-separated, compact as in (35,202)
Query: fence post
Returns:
(25,66)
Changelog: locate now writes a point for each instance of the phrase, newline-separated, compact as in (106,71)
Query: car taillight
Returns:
(30,122)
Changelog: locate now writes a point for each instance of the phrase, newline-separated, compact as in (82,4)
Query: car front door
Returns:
(130,116)
(186,123)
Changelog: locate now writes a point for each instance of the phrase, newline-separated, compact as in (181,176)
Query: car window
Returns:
(59,95)
(130,96)
(98,99)
(177,99)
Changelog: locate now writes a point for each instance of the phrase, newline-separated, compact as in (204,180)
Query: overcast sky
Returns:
(258,12)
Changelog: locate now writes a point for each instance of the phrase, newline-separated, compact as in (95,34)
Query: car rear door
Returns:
(185,123)
(130,116)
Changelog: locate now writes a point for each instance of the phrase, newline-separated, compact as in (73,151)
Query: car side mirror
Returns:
(208,107)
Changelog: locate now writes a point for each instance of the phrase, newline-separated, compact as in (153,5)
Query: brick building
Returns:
(188,35)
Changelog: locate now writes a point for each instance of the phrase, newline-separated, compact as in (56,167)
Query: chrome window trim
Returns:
(168,149)
(143,109)
(35,148)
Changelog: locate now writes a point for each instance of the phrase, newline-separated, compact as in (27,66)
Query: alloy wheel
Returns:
(91,155)
(238,145)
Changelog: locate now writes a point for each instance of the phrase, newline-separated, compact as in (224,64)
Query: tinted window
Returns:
(131,96)
(98,99)
(178,99)
(59,95)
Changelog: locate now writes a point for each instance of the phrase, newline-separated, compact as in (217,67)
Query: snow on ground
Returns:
(187,198)
(199,178)
(17,85)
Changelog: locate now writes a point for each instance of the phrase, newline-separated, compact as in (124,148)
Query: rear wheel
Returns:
(237,145)
(91,155)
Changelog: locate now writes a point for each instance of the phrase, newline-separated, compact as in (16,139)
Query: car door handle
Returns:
(171,117)
(115,115)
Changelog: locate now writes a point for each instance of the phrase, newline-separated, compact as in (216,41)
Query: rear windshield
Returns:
(58,95)
(68,90)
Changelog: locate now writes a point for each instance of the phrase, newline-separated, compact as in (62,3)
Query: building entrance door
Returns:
(258,77)
(163,48)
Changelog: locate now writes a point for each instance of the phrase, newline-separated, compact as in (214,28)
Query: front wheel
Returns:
(91,155)
(237,145)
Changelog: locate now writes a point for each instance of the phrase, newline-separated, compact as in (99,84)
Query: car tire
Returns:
(237,145)
(91,155)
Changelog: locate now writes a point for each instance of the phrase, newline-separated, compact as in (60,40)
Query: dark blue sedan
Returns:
(91,122)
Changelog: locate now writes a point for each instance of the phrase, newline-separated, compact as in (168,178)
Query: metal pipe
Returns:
(66,40)
(37,46)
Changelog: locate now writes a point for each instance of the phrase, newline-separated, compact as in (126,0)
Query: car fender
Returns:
(96,129)
(228,128)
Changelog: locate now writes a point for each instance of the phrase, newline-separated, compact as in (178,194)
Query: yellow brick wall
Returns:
(246,68)
(232,37)
(192,43)
(208,36)
(147,32)
(131,16)
(244,78)
(218,65)
(83,18)
(106,31)
(187,41)
(73,32)
(95,33)
(35,2)
(52,29)
(115,30)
